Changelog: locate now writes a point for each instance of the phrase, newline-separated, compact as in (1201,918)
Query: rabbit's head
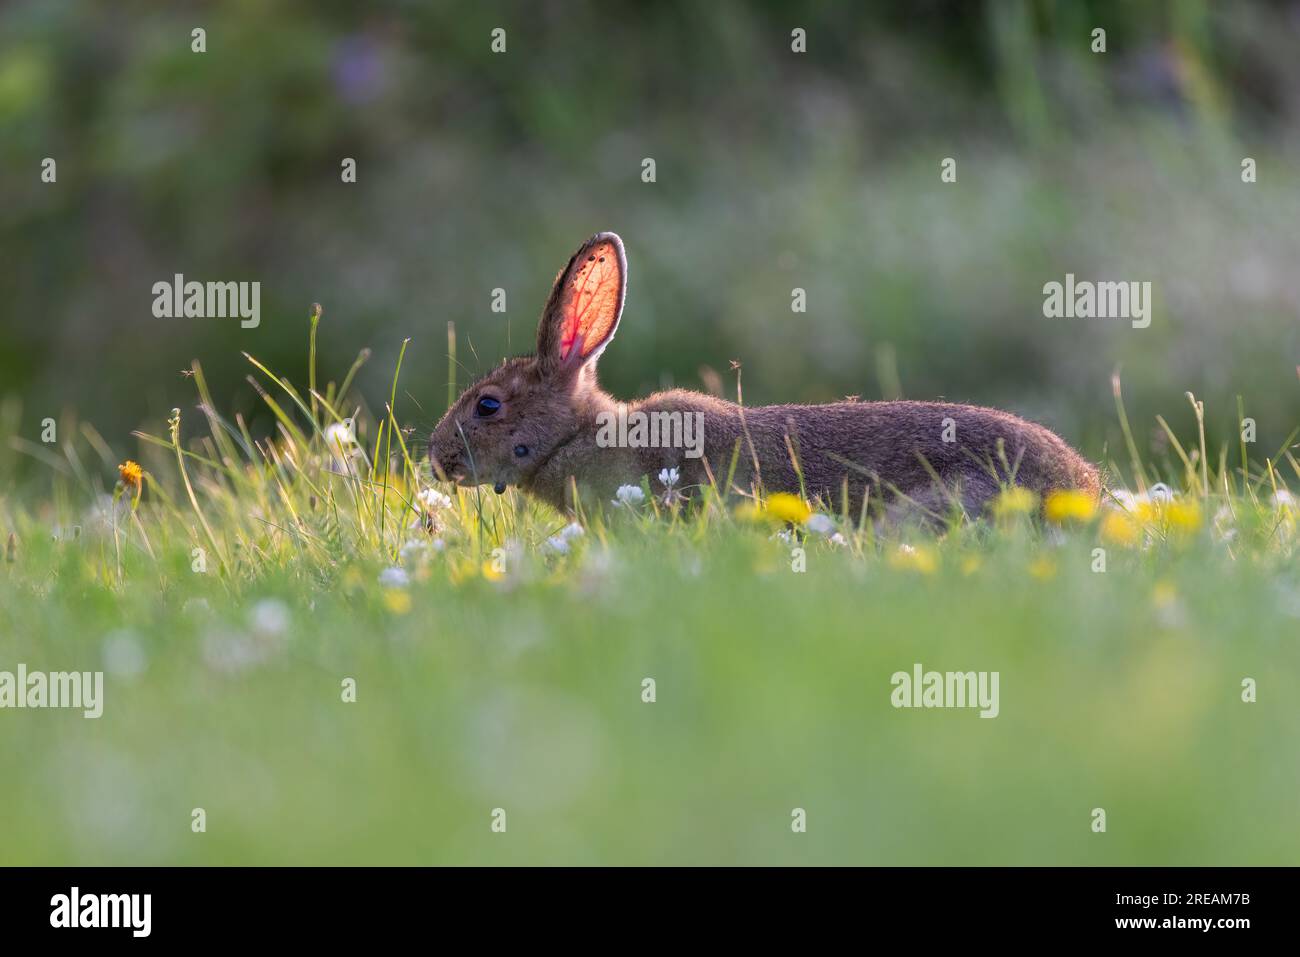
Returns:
(506,425)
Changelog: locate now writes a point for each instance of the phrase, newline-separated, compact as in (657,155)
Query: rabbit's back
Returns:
(888,447)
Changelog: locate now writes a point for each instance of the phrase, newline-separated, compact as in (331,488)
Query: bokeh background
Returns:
(775,170)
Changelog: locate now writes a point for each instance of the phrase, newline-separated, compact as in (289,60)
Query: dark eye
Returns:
(521,451)
(487,406)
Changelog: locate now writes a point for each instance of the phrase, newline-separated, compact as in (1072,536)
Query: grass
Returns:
(230,595)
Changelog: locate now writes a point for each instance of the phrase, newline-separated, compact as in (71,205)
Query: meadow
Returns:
(340,661)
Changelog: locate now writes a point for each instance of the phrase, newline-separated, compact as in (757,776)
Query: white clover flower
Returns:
(1283,499)
(339,436)
(821,524)
(572,530)
(269,618)
(785,535)
(395,577)
(629,496)
(123,653)
(556,544)
(1123,498)
(1160,492)
(413,551)
(838,540)
(431,500)
(668,477)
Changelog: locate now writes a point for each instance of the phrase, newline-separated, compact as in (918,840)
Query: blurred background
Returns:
(774,170)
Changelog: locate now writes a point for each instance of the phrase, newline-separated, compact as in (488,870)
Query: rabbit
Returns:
(543,424)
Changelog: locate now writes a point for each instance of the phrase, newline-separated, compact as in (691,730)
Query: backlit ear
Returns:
(583,312)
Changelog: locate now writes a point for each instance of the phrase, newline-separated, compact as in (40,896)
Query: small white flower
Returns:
(1124,499)
(557,544)
(1160,492)
(838,539)
(431,500)
(1283,499)
(123,654)
(629,496)
(413,550)
(339,436)
(269,618)
(785,535)
(821,524)
(395,577)
(572,530)
(668,477)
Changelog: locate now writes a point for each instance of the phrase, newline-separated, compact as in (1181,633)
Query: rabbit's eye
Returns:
(487,406)
(521,451)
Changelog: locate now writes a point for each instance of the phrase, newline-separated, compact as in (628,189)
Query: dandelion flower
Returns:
(1015,501)
(788,508)
(397,600)
(923,559)
(1043,568)
(1183,516)
(1066,505)
(1120,528)
(131,474)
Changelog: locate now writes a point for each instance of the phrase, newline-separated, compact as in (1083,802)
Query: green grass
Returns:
(522,689)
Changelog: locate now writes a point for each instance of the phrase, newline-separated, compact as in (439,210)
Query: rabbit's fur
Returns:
(543,436)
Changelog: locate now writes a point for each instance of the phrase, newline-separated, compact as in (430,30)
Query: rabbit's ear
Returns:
(583,312)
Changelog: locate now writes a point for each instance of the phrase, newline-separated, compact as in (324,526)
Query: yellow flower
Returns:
(921,559)
(970,564)
(1069,505)
(397,600)
(1120,528)
(131,473)
(1164,594)
(492,572)
(1015,501)
(788,508)
(1183,515)
(462,572)
(1043,568)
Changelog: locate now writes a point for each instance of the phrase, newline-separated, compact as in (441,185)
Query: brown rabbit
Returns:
(543,423)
